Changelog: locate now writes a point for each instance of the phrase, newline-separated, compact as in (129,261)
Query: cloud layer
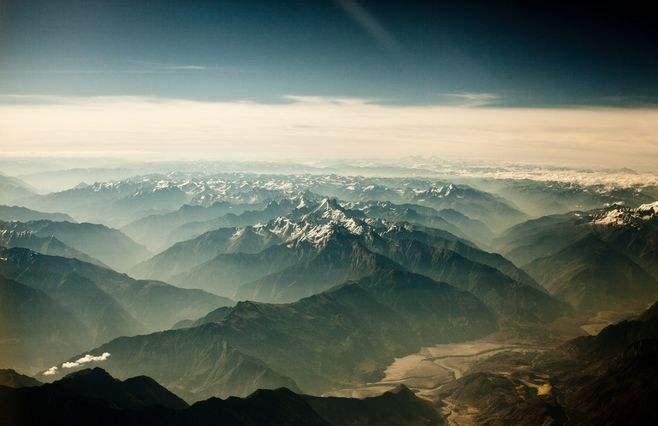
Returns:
(320,127)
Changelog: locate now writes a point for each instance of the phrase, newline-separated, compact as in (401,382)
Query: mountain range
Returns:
(335,338)
(103,303)
(214,296)
(107,245)
(597,260)
(100,399)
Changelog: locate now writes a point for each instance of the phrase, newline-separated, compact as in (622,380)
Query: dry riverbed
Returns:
(425,371)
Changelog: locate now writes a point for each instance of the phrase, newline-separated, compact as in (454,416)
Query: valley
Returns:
(340,289)
(328,213)
(432,367)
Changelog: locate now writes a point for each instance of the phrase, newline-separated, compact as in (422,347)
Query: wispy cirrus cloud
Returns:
(369,24)
(130,67)
(474,99)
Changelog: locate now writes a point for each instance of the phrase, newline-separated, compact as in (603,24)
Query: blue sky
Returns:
(397,52)
(512,81)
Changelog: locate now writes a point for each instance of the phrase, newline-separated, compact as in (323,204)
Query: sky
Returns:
(520,81)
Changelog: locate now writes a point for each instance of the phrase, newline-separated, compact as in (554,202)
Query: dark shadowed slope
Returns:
(93,292)
(195,363)
(339,337)
(511,300)
(593,275)
(94,397)
(35,330)
(12,379)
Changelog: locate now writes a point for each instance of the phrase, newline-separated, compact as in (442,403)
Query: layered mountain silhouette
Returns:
(13,189)
(15,234)
(110,304)
(94,397)
(155,230)
(593,275)
(186,254)
(631,231)
(109,246)
(12,379)
(321,342)
(35,330)
(253,216)
(335,296)
(326,244)
(23,214)
(510,299)
(603,259)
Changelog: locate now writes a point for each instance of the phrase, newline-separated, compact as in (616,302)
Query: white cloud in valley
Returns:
(307,127)
(51,371)
(86,359)
(77,363)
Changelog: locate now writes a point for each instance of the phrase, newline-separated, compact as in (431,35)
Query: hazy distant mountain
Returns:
(114,304)
(541,237)
(35,330)
(99,399)
(594,275)
(121,202)
(412,213)
(634,232)
(475,230)
(13,189)
(186,254)
(23,214)
(496,212)
(272,210)
(343,257)
(16,234)
(112,203)
(154,230)
(321,342)
(60,180)
(541,198)
(510,299)
(401,232)
(226,273)
(324,245)
(630,231)
(102,315)
(117,203)
(100,242)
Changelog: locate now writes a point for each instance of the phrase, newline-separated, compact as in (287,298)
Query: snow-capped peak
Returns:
(623,216)
(648,211)
(317,227)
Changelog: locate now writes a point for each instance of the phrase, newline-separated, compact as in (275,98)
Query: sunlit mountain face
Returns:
(341,212)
